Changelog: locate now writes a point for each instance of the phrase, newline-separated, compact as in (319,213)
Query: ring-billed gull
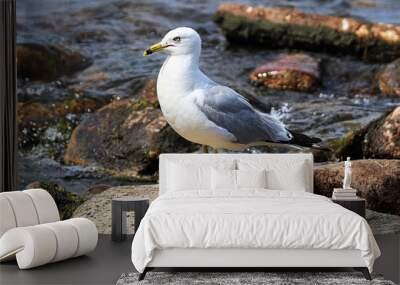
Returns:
(204,112)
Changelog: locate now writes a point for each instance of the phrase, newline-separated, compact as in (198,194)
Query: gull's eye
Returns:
(177,39)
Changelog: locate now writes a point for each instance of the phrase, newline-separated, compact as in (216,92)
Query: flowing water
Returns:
(114,33)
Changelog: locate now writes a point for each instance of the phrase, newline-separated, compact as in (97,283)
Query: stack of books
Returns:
(344,194)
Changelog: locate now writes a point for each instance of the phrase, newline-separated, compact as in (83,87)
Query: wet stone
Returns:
(377,180)
(383,137)
(389,79)
(122,136)
(298,72)
(46,62)
(291,28)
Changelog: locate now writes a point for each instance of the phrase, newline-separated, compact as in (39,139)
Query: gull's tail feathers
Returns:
(302,140)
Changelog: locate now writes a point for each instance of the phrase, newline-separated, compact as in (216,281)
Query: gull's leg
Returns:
(205,148)
(143,274)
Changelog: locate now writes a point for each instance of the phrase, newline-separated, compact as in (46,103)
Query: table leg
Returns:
(116,223)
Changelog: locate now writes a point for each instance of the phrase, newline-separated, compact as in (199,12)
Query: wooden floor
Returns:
(110,259)
(103,266)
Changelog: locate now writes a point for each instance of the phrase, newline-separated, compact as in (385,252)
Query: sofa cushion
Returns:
(7,220)
(45,205)
(24,210)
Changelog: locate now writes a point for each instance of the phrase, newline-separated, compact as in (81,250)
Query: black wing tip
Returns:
(304,140)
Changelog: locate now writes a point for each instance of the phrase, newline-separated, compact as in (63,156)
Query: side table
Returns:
(119,207)
(357,205)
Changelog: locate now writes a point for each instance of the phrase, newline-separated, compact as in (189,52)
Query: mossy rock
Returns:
(383,137)
(121,136)
(276,27)
(379,139)
(66,201)
(41,123)
(350,145)
(126,135)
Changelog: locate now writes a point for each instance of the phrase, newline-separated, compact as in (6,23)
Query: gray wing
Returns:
(229,110)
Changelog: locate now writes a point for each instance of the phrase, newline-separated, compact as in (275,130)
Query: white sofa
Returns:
(31,231)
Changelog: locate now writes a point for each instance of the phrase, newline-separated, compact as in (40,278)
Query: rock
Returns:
(32,120)
(350,145)
(47,62)
(91,36)
(148,95)
(325,118)
(299,72)
(378,181)
(98,207)
(291,28)
(389,79)
(76,105)
(97,189)
(121,135)
(66,201)
(37,121)
(382,139)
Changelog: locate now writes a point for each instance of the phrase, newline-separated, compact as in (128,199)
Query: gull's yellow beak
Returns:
(154,48)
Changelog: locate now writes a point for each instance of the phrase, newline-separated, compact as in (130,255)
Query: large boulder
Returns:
(378,181)
(383,137)
(47,62)
(389,79)
(299,72)
(125,134)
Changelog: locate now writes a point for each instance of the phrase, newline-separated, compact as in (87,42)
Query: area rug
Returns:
(243,278)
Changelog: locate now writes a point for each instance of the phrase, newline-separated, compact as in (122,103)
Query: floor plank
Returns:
(103,266)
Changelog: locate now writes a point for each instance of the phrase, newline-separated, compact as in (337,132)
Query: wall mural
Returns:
(325,76)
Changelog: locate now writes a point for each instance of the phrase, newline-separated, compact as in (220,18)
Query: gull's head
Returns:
(178,41)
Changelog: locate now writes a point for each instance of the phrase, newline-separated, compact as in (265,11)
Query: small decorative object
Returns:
(347,174)
(345,193)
